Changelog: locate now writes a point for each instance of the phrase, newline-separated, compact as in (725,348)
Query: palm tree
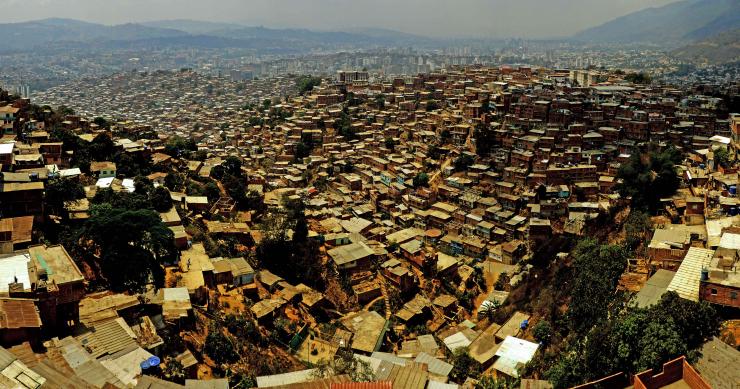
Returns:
(489,308)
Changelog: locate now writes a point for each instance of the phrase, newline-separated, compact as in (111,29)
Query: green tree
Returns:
(647,183)
(131,245)
(421,180)
(542,331)
(161,199)
(568,370)
(177,145)
(173,181)
(659,343)
(490,382)
(59,190)
(696,322)
(233,166)
(133,164)
(235,188)
(389,143)
(212,191)
(636,228)
(123,200)
(254,201)
(464,366)
(101,148)
(219,347)
(379,100)
(173,370)
(344,125)
(722,157)
(639,78)
(489,310)
(307,83)
(636,339)
(463,162)
(143,186)
(597,270)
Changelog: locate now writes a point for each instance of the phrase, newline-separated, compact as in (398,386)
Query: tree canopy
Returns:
(635,340)
(59,190)
(597,270)
(638,78)
(131,245)
(307,83)
(463,162)
(722,157)
(647,183)
(421,180)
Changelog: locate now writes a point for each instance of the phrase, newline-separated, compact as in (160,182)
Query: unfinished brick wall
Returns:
(726,295)
(673,371)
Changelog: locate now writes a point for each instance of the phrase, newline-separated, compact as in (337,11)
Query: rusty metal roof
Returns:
(363,385)
(18,313)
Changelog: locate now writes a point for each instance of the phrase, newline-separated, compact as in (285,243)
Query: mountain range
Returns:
(696,25)
(676,23)
(718,49)
(44,33)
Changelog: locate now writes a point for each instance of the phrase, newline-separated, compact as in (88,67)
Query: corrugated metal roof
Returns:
(654,288)
(713,365)
(6,358)
(441,385)
(388,357)
(108,337)
(514,352)
(127,367)
(434,365)
(218,383)
(730,241)
(18,313)
(286,378)
(363,385)
(688,277)
(407,377)
(149,382)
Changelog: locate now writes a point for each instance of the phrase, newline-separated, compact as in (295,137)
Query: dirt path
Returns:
(435,176)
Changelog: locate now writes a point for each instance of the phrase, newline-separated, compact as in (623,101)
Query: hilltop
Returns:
(676,22)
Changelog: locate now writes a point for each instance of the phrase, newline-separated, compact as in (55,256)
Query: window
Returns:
(733,295)
(714,292)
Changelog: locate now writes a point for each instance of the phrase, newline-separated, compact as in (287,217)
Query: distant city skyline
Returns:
(434,18)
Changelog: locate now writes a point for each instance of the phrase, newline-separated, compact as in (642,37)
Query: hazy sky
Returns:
(491,18)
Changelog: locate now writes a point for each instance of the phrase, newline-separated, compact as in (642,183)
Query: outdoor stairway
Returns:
(384,291)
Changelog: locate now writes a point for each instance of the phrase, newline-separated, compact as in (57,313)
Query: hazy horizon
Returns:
(433,18)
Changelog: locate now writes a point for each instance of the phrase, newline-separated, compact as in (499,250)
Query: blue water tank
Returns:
(733,211)
(524,324)
(733,190)
(153,361)
(702,166)
(144,365)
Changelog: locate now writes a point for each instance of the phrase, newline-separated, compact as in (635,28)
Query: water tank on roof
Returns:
(733,190)
(733,211)
(524,324)
(704,274)
(153,361)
